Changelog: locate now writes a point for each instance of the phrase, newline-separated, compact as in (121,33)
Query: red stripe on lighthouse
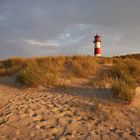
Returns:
(97,50)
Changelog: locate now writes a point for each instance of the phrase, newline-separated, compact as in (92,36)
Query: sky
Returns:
(67,27)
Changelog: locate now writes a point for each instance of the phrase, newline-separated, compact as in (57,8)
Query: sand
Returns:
(65,114)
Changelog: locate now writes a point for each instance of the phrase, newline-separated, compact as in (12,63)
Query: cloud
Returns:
(68,39)
(41,43)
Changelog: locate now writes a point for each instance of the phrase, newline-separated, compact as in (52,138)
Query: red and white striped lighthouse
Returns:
(97,45)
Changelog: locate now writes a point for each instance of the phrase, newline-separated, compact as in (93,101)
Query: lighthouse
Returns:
(97,45)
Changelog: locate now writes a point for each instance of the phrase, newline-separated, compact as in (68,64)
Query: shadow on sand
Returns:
(9,81)
(102,93)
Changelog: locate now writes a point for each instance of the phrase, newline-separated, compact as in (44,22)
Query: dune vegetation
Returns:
(120,73)
(50,70)
(123,77)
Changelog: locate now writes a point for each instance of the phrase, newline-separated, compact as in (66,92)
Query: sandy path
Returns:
(38,114)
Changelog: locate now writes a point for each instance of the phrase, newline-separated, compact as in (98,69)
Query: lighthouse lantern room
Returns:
(97,45)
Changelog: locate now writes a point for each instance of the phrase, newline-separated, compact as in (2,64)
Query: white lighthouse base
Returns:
(99,55)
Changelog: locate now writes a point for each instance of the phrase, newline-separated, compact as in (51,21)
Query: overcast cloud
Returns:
(66,27)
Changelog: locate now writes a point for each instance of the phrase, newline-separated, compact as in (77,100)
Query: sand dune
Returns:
(50,114)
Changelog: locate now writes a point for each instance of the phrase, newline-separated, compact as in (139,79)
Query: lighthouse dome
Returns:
(97,35)
(97,38)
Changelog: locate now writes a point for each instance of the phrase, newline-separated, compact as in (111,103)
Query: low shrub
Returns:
(122,77)
(11,66)
(122,91)
(125,77)
(34,75)
(79,66)
(100,80)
